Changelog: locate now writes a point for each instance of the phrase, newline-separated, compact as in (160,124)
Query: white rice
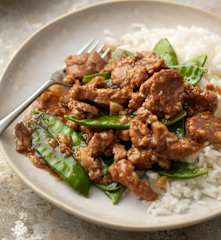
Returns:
(188,43)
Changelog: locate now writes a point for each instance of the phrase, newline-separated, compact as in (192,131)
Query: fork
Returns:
(56,78)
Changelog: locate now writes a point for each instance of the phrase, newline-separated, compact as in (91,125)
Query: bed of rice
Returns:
(188,42)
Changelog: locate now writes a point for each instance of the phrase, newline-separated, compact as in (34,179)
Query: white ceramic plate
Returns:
(43,54)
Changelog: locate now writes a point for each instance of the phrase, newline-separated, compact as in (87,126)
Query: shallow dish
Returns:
(43,54)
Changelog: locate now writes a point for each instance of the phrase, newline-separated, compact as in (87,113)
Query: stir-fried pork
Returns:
(144,90)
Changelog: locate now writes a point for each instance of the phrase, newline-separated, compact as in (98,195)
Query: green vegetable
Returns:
(176,124)
(113,190)
(178,128)
(199,60)
(166,51)
(191,73)
(182,170)
(103,122)
(171,121)
(106,162)
(121,52)
(56,127)
(88,78)
(66,167)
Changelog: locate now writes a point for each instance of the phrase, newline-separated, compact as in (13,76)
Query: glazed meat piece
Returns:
(136,101)
(100,142)
(64,144)
(205,127)
(199,100)
(49,102)
(167,146)
(140,158)
(111,65)
(97,82)
(161,136)
(23,138)
(88,156)
(86,93)
(122,96)
(123,135)
(81,109)
(153,142)
(182,148)
(119,152)
(134,70)
(124,173)
(164,93)
(115,108)
(139,132)
(91,164)
(79,65)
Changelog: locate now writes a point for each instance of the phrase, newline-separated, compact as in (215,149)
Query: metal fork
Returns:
(56,78)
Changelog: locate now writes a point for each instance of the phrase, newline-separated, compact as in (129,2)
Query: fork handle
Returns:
(8,119)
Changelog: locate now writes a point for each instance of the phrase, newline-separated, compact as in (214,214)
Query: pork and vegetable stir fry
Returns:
(122,116)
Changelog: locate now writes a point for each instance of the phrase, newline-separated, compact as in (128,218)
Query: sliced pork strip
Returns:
(81,109)
(124,173)
(164,93)
(123,135)
(23,138)
(199,100)
(79,65)
(135,69)
(91,164)
(136,101)
(140,158)
(49,101)
(122,96)
(167,146)
(140,133)
(97,82)
(100,142)
(205,127)
(182,148)
(88,94)
(119,152)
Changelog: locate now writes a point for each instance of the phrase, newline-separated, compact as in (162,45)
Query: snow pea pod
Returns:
(176,124)
(56,127)
(103,122)
(182,170)
(105,163)
(178,128)
(199,60)
(192,73)
(114,191)
(66,167)
(88,78)
(192,70)
(166,51)
(177,118)
(121,52)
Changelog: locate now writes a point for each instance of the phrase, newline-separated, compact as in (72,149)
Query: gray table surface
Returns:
(23,214)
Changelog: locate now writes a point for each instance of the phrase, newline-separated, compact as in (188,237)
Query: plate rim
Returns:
(53,200)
